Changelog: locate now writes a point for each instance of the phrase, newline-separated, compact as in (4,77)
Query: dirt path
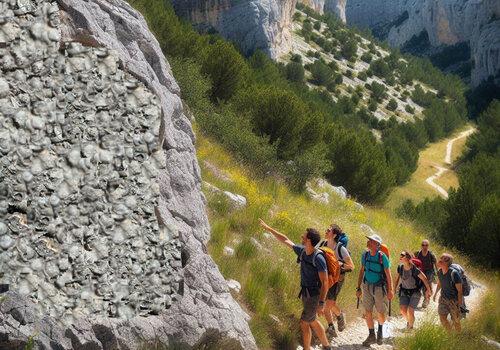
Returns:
(356,332)
(447,160)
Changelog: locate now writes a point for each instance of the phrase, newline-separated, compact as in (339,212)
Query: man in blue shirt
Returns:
(376,290)
(313,282)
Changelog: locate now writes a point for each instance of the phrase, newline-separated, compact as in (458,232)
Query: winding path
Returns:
(447,160)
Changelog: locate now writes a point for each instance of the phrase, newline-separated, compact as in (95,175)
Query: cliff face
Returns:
(102,219)
(337,7)
(446,22)
(252,24)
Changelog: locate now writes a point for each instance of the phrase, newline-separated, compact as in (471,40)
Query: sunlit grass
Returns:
(416,188)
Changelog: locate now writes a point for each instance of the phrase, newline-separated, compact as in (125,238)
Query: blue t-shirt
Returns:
(373,269)
(448,281)
(308,272)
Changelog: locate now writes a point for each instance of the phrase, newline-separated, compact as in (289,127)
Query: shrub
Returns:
(295,72)
(409,109)
(225,67)
(362,76)
(378,91)
(307,26)
(317,25)
(373,105)
(366,57)
(392,105)
(349,49)
(380,68)
(296,58)
(321,73)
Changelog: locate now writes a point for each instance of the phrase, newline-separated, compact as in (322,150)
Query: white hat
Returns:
(375,238)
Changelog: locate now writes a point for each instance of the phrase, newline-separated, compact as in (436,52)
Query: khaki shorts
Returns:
(448,307)
(310,308)
(374,296)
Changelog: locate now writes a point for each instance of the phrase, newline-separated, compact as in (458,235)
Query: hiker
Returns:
(332,235)
(429,267)
(376,282)
(451,298)
(412,281)
(313,282)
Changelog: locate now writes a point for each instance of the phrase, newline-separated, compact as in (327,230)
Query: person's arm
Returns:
(360,279)
(396,284)
(390,291)
(279,236)
(323,277)
(460,300)
(428,287)
(348,263)
(438,288)
(434,263)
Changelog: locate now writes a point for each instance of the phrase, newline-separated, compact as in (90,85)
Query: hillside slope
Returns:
(266,272)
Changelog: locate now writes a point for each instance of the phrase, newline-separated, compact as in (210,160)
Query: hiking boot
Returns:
(341,322)
(425,303)
(370,340)
(327,347)
(330,331)
(380,339)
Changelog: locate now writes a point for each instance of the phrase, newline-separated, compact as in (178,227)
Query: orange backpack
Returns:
(385,250)
(332,265)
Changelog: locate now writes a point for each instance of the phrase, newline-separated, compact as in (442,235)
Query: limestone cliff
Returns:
(445,22)
(252,24)
(337,7)
(102,219)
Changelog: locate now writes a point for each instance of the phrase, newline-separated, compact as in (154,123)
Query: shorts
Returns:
(374,296)
(448,307)
(430,276)
(310,308)
(410,300)
(334,291)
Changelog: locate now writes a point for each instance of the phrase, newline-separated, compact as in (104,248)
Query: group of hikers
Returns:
(324,264)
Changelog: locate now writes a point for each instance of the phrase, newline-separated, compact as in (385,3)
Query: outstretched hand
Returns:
(264,225)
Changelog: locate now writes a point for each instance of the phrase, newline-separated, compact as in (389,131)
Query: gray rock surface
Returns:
(251,24)
(43,93)
(337,7)
(446,22)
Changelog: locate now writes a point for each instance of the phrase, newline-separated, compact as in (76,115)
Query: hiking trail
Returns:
(447,160)
(357,331)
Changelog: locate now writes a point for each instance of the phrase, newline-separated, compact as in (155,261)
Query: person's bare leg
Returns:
(306,334)
(335,308)
(329,311)
(369,319)
(320,332)
(456,324)
(445,322)
(411,317)
(404,310)
(380,318)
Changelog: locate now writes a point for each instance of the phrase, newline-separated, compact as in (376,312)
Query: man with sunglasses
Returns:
(313,282)
(429,266)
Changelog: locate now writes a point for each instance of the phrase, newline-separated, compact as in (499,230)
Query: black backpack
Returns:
(414,273)
(463,277)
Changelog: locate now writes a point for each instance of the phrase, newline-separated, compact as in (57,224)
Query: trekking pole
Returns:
(390,307)
(357,304)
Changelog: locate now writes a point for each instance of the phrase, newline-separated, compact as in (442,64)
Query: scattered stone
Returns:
(256,243)
(234,285)
(228,251)
(236,201)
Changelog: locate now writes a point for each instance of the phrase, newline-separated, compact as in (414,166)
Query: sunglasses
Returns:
(425,245)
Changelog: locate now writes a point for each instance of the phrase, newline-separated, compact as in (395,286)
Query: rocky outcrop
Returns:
(337,7)
(316,5)
(445,22)
(114,226)
(252,24)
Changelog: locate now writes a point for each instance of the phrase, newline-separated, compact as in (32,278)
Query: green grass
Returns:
(484,322)
(270,276)
(433,155)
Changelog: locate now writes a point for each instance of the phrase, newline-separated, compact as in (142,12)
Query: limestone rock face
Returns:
(446,22)
(114,227)
(316,5)
(337,7)
(252,24)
